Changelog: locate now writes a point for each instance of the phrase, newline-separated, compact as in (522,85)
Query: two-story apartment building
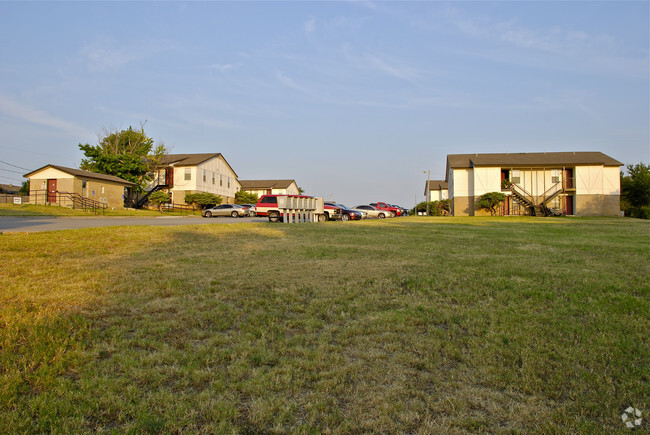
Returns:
(270,187)
(436,190)
(195,173)
(571,183)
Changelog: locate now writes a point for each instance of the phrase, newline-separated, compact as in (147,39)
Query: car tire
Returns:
(208,214)
(345,217)
(274,216)
(234,214)
(381,216)
(322,218)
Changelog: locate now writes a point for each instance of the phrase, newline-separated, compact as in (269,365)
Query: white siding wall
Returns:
(438,195)
(51,173)
(462,182)
(216,167)
(589,180)
(486,180)
(611,181)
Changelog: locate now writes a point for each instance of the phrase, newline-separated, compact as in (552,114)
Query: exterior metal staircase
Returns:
(536,205)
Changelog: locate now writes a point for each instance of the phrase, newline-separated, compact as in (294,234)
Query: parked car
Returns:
(232,210)
(372,211)
(387,207)
(250,209)
(347,214)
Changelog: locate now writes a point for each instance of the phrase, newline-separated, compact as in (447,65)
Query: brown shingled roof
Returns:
(265,184)
(576,158)
(192,159)
(83,174)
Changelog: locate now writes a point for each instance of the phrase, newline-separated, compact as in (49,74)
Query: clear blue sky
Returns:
(352,99)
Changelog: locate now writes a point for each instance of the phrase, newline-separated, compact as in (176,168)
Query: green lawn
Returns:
(412,325)
(53,210)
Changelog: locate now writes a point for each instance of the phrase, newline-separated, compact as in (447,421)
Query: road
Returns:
(21,224)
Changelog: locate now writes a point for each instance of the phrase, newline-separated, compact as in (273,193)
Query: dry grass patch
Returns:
(408,325)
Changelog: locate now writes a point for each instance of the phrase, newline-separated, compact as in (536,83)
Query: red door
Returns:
(51,190)
(568,205)
(568,178)
(169,177)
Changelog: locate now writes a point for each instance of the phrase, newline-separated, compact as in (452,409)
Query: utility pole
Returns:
(427,192)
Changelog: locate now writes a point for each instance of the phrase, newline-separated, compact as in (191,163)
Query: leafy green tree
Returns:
(24,188)
(635,191)
(436,208)
(491,201)
(129,154)
(202,199)
(158,198)
(243,197)
(300,190)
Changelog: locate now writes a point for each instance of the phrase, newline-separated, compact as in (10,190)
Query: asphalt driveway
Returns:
(15,224)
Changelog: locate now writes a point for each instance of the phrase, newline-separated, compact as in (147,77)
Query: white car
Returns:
(232,210)
(373,212)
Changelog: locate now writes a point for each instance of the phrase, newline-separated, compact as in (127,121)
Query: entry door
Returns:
(169,177)
(568,178)
(51,190)
(568,205)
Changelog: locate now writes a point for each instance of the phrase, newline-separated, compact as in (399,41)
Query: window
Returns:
(516,176)
(188,174)
(213,178)
(228,181)
(220,180)
(204,178)
(555,176)
(83,184)
(102,189)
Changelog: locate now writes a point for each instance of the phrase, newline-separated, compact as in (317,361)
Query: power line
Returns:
(19,167)
(9,170)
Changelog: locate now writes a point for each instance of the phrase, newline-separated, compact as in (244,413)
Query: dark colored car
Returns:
(347,214)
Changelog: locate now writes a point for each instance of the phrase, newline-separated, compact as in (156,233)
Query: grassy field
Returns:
(413,325)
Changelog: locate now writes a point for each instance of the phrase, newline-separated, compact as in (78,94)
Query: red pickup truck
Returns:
(383,206)
(267,205)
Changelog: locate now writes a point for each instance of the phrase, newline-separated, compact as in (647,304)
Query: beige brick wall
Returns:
(463,206)
(598,205)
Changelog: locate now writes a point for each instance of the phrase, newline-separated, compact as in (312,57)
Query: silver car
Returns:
(232,210)
(373,212)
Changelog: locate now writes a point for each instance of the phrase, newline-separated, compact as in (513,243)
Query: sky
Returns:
(358,101)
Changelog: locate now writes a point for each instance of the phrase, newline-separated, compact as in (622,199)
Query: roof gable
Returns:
(178,160)
(82,174)
(266,184)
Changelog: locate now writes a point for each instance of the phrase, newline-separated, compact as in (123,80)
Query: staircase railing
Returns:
(66,198)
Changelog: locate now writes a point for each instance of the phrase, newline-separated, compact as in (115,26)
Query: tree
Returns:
(635,191)
(243,197)
(159,198)
(491,201)
(202,199)
(436,208)
(129,154)
(24,188)
(300,190)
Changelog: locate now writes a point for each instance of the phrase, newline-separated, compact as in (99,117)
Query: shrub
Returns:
(202,199)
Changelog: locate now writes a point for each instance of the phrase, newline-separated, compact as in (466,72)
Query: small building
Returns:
(196,173)
(9,189)
(436,190)
(569,183)
(270,187)
(53,184)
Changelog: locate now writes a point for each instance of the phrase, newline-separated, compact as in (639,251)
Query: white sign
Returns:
(18,200)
